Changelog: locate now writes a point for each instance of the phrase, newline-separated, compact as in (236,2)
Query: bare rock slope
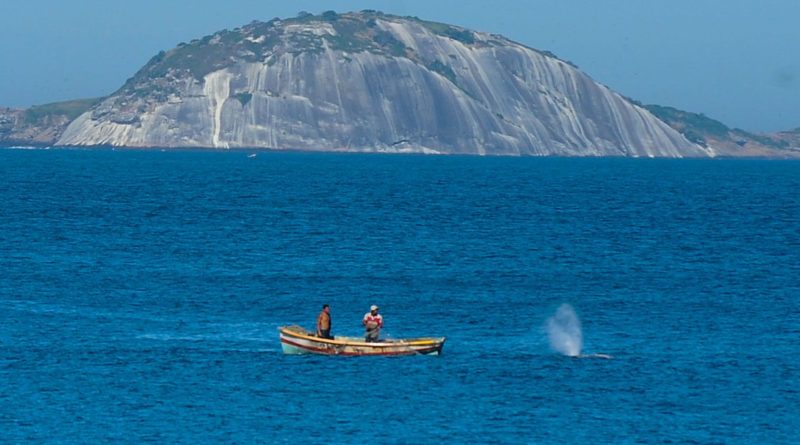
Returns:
(372,82)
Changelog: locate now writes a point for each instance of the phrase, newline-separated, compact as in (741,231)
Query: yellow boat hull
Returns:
(296,340)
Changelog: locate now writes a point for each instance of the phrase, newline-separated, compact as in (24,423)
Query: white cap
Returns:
(373,308)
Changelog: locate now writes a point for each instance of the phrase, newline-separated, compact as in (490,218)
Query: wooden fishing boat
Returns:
(296,340)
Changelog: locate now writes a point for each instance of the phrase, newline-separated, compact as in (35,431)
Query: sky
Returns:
(737,61)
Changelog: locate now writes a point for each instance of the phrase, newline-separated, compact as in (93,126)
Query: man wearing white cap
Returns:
(373,321)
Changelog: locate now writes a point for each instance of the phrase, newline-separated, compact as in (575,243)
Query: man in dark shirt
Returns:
(324,322)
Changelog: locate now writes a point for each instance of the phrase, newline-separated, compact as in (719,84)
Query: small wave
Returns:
(27,147)
(35,307)
(227,337)
(170,337)
(38,308)
(216,343)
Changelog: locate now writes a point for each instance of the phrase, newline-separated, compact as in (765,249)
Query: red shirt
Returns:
(368,317)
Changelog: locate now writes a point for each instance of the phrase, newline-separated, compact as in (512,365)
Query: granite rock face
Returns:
(372,82)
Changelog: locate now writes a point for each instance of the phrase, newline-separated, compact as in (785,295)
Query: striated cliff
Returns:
(372,82)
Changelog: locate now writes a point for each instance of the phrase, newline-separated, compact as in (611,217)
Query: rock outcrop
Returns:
(41,124)
(725,141)
(372,82)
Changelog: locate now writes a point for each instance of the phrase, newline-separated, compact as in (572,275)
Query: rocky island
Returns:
(373,82)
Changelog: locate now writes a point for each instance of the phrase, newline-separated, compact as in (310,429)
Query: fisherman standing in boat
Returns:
(324,322)
(373,322)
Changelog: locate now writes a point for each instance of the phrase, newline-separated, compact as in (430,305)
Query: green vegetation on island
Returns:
(39,114)
(260,42)
(705,131)
(694,126)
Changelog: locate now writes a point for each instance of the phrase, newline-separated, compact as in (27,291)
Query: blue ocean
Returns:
(141,293)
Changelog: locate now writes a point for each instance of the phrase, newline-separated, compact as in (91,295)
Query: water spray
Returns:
(564,331)
(565,335)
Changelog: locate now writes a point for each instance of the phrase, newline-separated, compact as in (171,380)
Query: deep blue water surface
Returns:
(140,295)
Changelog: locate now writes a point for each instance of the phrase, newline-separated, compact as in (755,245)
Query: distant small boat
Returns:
(296,340)
(252,155)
